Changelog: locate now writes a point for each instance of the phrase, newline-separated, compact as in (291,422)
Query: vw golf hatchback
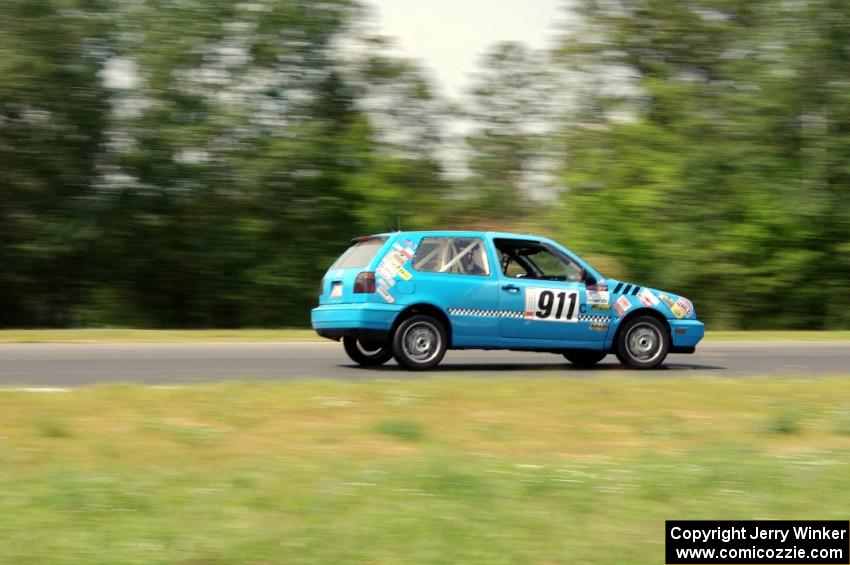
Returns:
(413,295)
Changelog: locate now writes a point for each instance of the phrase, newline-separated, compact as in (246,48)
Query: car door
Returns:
(546,296)
(456,274)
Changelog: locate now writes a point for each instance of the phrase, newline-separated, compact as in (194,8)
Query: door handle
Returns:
(511,288)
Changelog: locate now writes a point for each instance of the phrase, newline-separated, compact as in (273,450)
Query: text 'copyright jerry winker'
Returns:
(764,542)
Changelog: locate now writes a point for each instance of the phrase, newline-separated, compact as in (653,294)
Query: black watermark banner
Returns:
(764,542)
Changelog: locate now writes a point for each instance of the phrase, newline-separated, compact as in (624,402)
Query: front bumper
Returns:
(685,334)
(367,320)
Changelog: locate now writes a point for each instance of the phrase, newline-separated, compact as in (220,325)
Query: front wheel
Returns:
(643,343)
(367,354)
(585,358)
(419,343)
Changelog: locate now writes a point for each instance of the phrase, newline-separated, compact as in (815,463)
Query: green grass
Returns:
(779,335)
(403,430)
(115,335)
(444,470)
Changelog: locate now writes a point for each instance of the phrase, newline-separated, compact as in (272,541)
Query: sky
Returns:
(449,36)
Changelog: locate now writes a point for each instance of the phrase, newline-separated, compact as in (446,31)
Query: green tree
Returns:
(692,162)
(509,113)
(400,182)
(53,115)
(247,155)
(233,150)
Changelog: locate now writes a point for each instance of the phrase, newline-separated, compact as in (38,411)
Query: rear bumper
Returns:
(685,334)
(368,320)
(362,335)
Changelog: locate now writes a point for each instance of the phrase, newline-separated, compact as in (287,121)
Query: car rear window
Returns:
(360,254)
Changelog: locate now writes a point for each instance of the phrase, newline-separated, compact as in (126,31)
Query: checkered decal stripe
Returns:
(593,319)
(514,314)
(490,313)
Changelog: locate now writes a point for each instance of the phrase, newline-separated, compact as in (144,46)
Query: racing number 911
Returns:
(411,296)
(549,304)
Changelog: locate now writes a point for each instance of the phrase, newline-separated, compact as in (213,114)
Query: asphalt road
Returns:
(61,365)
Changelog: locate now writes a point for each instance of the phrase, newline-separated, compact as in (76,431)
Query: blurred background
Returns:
(199,163)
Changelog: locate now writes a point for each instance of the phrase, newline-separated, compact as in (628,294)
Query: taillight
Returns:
(364,283)
(322,286)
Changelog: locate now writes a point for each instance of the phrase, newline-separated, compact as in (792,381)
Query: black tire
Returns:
(643,342)
(419,342)
(587,358)
(367,354)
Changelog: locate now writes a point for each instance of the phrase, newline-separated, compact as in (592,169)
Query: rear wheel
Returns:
(587,358)
(419,342)
(368,353)
(643,343)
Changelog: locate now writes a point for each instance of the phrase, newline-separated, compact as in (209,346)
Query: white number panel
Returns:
(551,304)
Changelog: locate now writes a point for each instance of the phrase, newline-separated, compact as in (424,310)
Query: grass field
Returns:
(445,470)
(116,335)
(778,335)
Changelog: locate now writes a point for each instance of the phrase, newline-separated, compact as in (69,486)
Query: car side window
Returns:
(551,266)
(457,255)
(513,269)
(527,259)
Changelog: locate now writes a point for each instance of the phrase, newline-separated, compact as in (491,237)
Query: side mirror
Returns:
(588,278)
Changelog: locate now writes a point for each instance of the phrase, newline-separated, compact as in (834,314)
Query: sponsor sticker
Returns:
(392,266)
(387,275)
(647,298)
(597,326)
(666,299)
(391,261)
(385,295)
(405,252)
(682,308)
(382,284)
(600,296)
(604,307)
(622,306)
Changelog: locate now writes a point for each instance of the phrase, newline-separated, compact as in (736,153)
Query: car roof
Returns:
(478,233)
(464,233)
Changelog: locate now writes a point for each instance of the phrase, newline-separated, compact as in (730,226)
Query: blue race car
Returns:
(413,295)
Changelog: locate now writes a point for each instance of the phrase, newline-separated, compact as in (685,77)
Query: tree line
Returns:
(199,163)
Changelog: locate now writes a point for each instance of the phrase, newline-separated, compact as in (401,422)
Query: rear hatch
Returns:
(338,284)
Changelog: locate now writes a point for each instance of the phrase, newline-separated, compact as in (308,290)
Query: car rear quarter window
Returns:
(360,254)
(457,255)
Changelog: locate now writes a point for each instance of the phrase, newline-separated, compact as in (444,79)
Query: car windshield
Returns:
(533,260)
(360,254)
